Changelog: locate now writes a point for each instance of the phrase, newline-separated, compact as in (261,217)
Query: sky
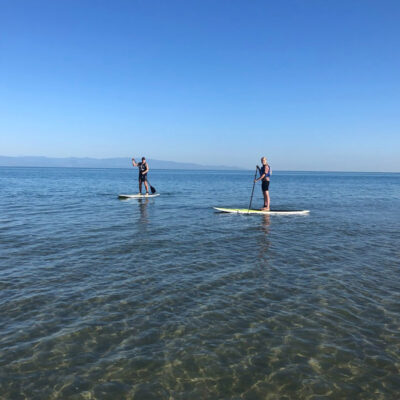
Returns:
(311,84)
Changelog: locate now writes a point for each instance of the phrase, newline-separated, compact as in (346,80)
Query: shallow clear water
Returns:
(166,299)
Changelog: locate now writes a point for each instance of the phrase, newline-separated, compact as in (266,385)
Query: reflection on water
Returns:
(264,239)
(266,222)
(143,215)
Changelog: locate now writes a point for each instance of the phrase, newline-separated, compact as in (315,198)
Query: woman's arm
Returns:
(261,176)
(259,179)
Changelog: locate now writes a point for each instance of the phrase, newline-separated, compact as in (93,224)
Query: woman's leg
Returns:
(266,199)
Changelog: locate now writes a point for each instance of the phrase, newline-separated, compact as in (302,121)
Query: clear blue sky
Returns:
(312,84)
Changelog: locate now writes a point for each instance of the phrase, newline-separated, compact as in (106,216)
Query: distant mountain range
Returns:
(77,162)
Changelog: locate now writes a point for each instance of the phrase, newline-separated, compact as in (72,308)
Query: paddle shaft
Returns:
(252,192)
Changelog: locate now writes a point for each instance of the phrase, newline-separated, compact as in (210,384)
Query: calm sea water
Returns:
(166,299)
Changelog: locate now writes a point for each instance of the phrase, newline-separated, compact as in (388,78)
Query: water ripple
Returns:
(165,299)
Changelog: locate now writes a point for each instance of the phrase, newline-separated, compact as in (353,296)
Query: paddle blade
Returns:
(153,189)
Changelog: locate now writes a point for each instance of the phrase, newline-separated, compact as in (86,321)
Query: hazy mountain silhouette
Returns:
(86,162)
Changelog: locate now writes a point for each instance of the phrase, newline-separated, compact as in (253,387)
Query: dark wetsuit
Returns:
(142,167)
(265,182)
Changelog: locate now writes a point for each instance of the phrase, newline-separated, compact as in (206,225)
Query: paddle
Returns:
(153,189)
(252,192)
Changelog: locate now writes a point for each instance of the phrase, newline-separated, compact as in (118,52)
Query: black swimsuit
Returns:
(142,167)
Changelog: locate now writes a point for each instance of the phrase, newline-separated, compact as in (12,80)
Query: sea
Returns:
(165,298)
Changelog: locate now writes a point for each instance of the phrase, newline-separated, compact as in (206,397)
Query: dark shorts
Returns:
(265,186)
(143,178)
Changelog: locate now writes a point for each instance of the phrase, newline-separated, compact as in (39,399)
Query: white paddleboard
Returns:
(271,212)
(137,196)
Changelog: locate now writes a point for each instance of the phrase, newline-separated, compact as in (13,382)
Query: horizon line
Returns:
(237,169)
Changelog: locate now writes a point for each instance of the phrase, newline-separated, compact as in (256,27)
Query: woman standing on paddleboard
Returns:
(265,173)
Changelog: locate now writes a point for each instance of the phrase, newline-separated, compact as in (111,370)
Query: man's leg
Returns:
(140,186)
(146,186)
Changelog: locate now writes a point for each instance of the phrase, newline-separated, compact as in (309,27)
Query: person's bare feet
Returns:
(265,209)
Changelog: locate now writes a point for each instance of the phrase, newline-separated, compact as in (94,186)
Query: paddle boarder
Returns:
(265,173)
(143,170)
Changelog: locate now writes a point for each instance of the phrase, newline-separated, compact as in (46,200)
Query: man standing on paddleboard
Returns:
(265,173)
(143,170)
